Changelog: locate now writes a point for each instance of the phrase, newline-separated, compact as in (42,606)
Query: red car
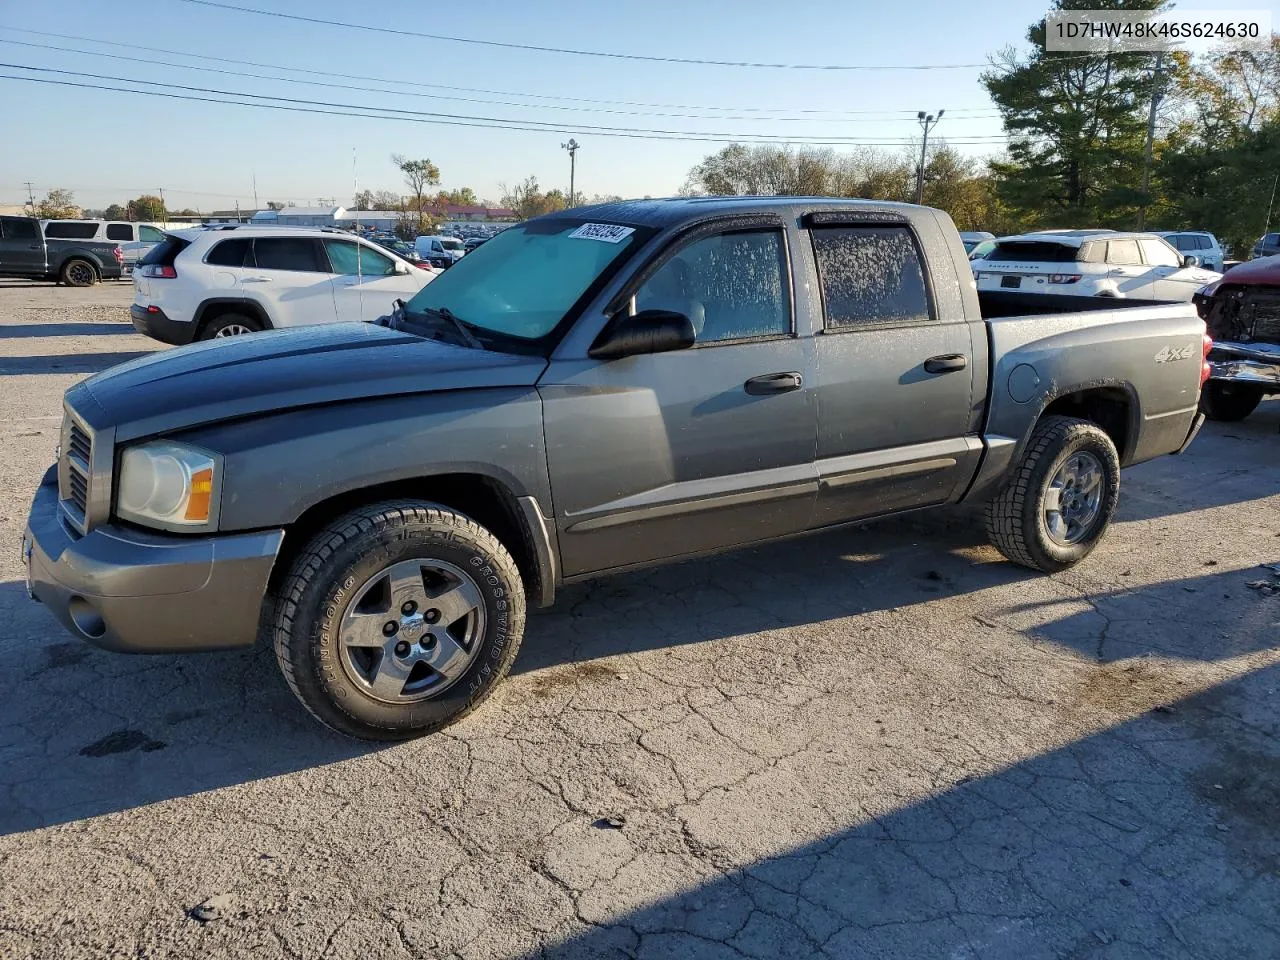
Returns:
(1242,311)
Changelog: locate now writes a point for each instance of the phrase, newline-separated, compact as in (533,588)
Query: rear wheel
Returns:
(79,273)
(1228,402)
(229,325)
(1061,499)
(398,619)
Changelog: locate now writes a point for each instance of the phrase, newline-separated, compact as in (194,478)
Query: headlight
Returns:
(167,485)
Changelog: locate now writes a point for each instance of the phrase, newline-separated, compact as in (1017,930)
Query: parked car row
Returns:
(27,253)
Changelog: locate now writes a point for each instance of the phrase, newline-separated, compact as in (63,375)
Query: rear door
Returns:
(1128,275)
(21,249)
(289,277)
(365,282)
(899,390)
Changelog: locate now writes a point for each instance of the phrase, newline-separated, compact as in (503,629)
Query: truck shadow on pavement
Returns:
(1156,836)
(16,331)
(85,732)
(67,363)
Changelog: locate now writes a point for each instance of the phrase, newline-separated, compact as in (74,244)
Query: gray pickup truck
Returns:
(24,252)
(589,392)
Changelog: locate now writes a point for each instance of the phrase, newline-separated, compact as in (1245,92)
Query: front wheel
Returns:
(1061,498)
(1228,402)
(229,325)
(398,619)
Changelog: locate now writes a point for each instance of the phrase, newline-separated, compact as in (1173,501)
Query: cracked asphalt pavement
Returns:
(880,742)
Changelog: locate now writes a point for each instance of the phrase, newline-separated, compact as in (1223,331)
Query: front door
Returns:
(365,282)
(1172,281)
(21,251)
(664,455)
(290,278)
(900,389)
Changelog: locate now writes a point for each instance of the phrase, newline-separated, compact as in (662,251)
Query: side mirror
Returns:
(649,331)
(1191,260)
(402,269)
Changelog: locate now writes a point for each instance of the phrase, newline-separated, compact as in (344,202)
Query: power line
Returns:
(502,103)
(577,53)
(439,86)
(451,119)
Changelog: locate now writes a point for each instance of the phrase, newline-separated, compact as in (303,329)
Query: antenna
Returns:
(255,191)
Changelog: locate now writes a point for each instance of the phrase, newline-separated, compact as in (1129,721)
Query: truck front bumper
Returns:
(1257,364)
(139,592)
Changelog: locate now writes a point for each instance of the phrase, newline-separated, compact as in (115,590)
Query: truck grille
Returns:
(76,472)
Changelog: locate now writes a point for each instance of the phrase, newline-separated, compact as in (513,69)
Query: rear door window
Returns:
(229,253)
(119,231)
(1123,252)
(870,275)
(300,254)
(354,260)
(150,234)
(71,230)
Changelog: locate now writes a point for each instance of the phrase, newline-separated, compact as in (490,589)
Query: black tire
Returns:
(1228,402)
(335,571)
(1016,519)
(229,325)
(78,272)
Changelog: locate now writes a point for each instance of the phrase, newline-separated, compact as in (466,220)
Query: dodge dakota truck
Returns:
(589,392)
(26,253)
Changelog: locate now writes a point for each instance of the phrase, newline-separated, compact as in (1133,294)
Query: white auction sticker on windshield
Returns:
(608,232)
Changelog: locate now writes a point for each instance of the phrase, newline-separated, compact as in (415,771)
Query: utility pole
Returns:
(164,211)
(927,122)
(1271,205)
(572,147)
(31,198)
(1156,92)
(255,191)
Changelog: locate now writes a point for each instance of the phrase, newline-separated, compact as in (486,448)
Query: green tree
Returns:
(115,212)
(462,197)
(1078,128)
(527,199)
(418,175)
(57,205)
(147,208)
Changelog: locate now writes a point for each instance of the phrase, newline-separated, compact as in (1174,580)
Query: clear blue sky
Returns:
(108,147)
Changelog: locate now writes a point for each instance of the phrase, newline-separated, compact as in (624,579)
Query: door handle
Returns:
(256,280)
(773,383)
(946,364)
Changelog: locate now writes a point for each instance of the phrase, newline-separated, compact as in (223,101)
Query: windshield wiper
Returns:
(402,318)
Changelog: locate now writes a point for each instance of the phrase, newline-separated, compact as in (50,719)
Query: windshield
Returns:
(524,281)
(451,244)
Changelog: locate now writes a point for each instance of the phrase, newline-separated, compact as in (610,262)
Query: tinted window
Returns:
(1204,243)
(1123,251)
(1035,251)
(870,275)
(732,286)
(229,253)
(150,234)
(1160,254)
(71,229)
(354,259)
(119,231)
(16,228)
(165,252)
(287,253)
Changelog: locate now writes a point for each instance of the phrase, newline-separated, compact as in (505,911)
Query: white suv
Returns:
(1200,244)
(222,281)
(1088,263)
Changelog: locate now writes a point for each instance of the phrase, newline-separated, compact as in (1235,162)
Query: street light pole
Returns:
(572,147)
(927,122)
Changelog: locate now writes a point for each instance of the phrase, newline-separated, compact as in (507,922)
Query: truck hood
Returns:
(1263,271)
(281,370)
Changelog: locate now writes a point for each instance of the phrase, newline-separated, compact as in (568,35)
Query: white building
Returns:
(301,216)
